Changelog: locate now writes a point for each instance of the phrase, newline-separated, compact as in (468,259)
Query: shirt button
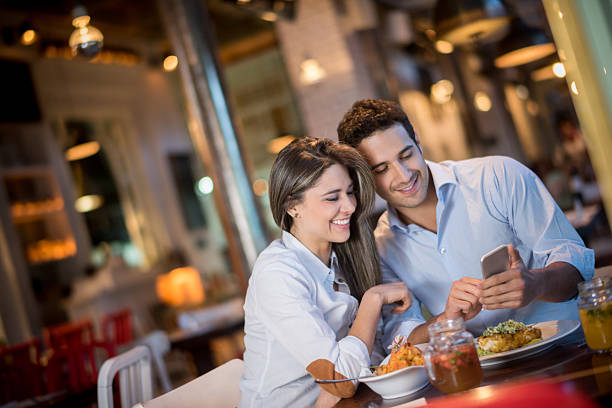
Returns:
(442,251)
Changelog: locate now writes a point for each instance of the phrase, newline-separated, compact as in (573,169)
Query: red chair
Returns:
(117,328)
(73,359)
(21,373)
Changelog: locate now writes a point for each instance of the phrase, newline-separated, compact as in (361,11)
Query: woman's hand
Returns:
(395,292)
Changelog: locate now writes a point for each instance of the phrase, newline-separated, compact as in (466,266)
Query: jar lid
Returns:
(595,284)
(446,325)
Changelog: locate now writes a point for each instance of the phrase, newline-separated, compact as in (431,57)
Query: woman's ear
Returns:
(292,209)
(293,212)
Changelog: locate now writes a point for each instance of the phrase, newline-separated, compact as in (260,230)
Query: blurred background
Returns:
(136,137)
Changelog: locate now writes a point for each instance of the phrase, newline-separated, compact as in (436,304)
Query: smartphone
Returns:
(495,261)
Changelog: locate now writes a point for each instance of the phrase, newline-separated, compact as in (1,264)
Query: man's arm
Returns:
(541,226)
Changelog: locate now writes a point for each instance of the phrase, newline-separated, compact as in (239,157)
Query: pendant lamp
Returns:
(464,21)
(522,45)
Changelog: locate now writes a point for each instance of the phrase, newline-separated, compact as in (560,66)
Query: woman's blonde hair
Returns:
(297,168)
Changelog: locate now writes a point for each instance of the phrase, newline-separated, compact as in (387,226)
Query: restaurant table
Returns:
(568,362)
(197,342)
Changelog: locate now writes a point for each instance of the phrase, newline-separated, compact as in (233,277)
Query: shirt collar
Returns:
(312,263)
(442,175)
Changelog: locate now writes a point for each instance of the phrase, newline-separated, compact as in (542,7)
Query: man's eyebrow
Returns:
(404,150)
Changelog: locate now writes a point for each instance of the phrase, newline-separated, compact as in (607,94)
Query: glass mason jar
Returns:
(595,308)
(451,359)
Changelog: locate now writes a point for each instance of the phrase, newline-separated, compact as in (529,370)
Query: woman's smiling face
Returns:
(324,214)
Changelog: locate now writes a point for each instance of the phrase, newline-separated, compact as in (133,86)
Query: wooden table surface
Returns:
(569,361)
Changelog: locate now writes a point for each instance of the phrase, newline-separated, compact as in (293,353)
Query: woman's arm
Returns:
(366,321)
(285,306)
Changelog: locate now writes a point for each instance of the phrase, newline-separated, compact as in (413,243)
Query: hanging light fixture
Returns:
(464,21)
(86,40)
(28,34)
(522,45)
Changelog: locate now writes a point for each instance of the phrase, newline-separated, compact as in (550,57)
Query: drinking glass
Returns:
(595,309)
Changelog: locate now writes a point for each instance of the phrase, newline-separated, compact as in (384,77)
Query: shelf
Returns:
(35,217)
(47,250)
(36,210)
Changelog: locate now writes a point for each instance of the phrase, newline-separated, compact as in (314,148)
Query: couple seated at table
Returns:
(316,295)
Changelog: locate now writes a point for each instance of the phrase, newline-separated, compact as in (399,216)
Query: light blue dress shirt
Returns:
(482,203)
(293,317)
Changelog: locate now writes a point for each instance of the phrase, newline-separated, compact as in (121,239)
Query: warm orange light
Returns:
(482,102)
(180,287)
(260,187)
(268,16)
(444,47)
(170,63)
(82,151)
(277,144)
(28,37)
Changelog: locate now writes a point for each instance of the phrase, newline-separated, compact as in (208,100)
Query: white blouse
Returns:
(296,326)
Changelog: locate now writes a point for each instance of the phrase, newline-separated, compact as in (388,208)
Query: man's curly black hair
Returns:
(368,116)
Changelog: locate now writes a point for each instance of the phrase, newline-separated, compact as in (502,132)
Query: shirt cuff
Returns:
(355,348)
(359,357)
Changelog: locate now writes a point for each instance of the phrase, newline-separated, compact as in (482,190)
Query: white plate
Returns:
(552,332)
(398,383)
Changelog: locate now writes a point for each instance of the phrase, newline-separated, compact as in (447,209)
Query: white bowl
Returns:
(398,383)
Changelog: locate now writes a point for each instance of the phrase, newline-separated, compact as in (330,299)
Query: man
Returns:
(442,217)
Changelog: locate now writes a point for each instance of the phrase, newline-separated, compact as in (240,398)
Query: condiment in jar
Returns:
(451,359)
(595,308)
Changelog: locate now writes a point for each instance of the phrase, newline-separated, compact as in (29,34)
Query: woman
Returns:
(313,301)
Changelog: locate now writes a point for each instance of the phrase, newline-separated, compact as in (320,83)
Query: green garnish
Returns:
(482,353)
(507,327)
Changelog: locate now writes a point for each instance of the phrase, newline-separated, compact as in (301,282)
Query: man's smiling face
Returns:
(400,172)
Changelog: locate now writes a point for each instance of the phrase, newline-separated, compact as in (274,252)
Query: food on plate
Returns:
(508,335)
(402,355)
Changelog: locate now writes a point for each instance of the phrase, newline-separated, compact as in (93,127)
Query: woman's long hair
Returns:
(298,168)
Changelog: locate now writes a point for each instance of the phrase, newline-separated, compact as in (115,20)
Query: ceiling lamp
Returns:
(464,21)
(82,150)
(28,35)
(86,40)
(88,203)
(522,45)
(170,63)
(442,91)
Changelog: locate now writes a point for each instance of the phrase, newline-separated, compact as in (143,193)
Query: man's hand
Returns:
(513,288)
(463,299)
